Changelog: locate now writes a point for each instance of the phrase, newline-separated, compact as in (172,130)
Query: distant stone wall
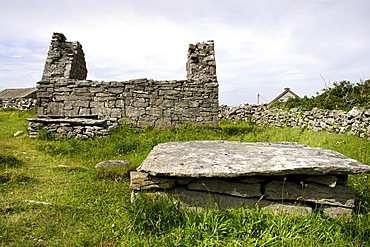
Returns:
(355,122)
(18,103)
(64,93)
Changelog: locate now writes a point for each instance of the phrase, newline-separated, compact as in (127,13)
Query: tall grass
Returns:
(51,194)
(155,226)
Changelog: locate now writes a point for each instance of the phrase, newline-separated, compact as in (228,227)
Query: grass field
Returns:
(51,194)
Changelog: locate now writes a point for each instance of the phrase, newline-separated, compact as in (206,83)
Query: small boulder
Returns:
(113,163)
(356,112)
(18,133)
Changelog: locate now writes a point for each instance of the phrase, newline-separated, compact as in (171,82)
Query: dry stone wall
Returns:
(70,105)
(18,103)
(355,122)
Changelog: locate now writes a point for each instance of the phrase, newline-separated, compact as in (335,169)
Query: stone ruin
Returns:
(71,106)
(281,176)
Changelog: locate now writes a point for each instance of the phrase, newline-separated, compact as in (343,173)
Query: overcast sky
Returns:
(261,46)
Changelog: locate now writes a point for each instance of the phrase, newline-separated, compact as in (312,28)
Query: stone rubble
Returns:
(280,176)
(113,163)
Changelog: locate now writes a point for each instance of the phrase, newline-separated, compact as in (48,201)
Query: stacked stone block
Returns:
(64,60)
(298,194)
(201,64)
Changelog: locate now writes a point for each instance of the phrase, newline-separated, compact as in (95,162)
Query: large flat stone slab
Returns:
(236,159)
(340,195)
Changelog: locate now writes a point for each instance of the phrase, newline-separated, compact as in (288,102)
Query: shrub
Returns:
(342,95)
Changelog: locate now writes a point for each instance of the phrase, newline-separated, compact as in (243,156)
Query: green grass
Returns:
(51,194)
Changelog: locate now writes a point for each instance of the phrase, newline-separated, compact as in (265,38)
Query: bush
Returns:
(343,95)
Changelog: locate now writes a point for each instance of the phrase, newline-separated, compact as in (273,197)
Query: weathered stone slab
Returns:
(290,209)
(113,163)
(337,211)
(236,159)
(340,195)
(251,180)
(205,199)
(143,181)
(328,180)
(69,120)
(227,187)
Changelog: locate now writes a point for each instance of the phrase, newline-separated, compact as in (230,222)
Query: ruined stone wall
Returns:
(144,102)
(355,122)
(64,93)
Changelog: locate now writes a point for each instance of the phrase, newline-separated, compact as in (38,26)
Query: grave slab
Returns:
(282,176)
(236,159)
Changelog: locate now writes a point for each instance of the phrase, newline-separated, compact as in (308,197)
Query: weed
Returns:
(116,174)
(9,161)
(45,135)
(155,214)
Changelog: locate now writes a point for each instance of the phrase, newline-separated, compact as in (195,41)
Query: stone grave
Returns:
(282,176)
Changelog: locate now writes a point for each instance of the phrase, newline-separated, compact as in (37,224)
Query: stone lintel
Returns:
(81,121)
(69,116)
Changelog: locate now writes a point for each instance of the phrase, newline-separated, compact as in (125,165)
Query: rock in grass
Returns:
(336,211)
(113,163)
(18,133)
(6,209)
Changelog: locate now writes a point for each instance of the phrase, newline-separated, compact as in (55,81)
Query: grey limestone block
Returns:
(328,180)
(143,181)
(227,187)
(339,195)
(296,210)
(336,211)
(205,199)
(251,180)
